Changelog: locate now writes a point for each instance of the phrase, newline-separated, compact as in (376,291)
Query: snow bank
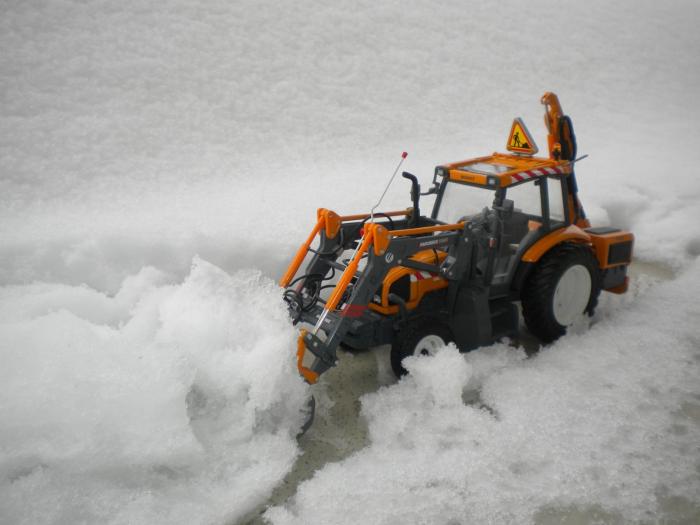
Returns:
(135,135)
(605,422)
(162,404)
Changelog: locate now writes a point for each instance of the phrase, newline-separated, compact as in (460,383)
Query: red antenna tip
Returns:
(404,155)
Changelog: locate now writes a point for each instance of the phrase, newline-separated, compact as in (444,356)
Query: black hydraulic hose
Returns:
(312,283)
(379,214)
(402,304)
(569,152)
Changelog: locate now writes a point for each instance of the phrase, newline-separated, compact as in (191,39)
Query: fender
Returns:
(534,253)
(571,233)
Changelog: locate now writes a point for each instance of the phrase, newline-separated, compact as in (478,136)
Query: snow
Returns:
(593,420)
(167,402)
(160,162)
(192,119)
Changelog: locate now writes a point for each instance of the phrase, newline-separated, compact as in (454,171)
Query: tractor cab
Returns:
(533,186)
(527,195)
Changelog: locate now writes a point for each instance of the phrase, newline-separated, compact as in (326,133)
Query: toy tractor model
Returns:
(419,282)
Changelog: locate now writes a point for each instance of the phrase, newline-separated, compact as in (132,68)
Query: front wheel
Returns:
(422,336)
(563,286)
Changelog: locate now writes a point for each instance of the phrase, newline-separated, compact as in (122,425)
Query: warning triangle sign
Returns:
(520,140)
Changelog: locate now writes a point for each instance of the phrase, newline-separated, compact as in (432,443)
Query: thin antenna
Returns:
(580,158)
(371,213)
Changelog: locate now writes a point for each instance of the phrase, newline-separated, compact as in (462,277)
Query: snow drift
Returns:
(593,423)
(166,403)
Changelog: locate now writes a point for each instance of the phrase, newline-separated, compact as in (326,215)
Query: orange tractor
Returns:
(418,282)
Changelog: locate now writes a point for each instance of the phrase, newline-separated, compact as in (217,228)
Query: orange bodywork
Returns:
(421,282)
(602,244)
(301,253)
(469,171)
(427,229)
(377,231)
(571,233)
(620,289)
(351,269)
(308,374)
(330,222)
(378,237)
(375,235)
(553,113)
(502,167)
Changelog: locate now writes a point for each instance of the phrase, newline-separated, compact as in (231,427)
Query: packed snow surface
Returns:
(160,161)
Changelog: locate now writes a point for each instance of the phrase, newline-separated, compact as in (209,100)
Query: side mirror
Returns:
(435,187)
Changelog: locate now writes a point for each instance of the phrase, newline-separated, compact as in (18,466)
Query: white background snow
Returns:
(159,162)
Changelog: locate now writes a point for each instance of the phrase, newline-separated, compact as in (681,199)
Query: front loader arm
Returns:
(384,249)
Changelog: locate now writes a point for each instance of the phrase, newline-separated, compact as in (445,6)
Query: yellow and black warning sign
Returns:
(520,140)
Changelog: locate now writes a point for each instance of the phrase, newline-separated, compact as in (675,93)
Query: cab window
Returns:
(556,202)
(526,198)
(460,200)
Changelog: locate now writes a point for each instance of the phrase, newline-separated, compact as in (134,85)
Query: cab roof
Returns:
(501,170)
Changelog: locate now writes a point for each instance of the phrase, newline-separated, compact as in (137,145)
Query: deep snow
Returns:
(142,387)
(590,423)
(165,403)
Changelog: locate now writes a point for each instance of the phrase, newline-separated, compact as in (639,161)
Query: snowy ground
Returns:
(158,163)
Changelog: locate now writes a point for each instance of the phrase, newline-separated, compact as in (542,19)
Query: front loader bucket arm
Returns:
(328,226)
(316,348)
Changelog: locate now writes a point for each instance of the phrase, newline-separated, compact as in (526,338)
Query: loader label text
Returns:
(432,242)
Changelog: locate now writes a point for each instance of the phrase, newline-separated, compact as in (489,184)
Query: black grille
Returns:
(620,253)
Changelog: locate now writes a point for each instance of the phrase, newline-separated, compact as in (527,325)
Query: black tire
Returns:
(538,294)
(407,339)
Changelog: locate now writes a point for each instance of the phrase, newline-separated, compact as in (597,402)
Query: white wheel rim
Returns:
(572,294)
(428,345)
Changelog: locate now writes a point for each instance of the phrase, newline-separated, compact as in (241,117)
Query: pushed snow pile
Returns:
(442,377)
(162,404)
(604,425)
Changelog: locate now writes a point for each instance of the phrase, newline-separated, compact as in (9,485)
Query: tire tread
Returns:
(540,285)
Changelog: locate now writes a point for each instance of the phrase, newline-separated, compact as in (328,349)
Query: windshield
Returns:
(460,200)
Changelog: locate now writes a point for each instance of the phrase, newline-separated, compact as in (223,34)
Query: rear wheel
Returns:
(563,286)
(422,336)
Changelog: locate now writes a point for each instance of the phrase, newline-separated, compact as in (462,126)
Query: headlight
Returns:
(492,181)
